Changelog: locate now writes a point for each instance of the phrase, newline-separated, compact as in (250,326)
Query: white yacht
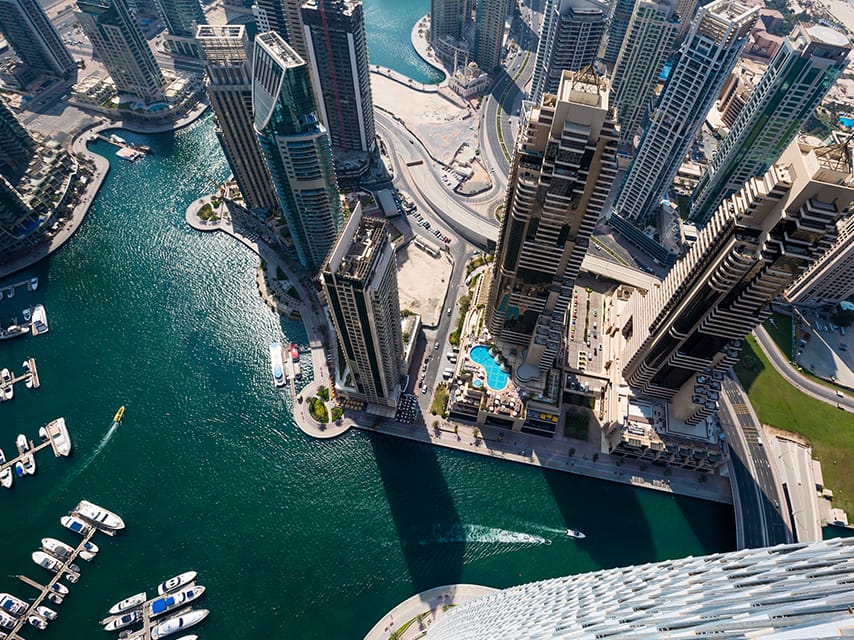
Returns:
(48,561)
(37,621)
(8,387)
(13,331)
(7,621)
(173,584)
(277,364)
(13,605)
(131,602)
(6,477)
(76,525)
(46,612)
(171,602)
(39,322)
(58,549)
(122,620)
(575,533)
(178,623)
(28,383)
(57,431)
(100,517)
(28,462)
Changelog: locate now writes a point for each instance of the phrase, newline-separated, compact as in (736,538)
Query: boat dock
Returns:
(122,143)
(32,375)
(56,437)
(46,590)
(8,291)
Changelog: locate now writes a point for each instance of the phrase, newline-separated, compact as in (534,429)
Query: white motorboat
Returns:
(46,561)
(39,322)
(57,431)
(34,284)
(575,533)
(37,621)
(121,621)
(13,331)
(171,602)
(131,602)
(99,516)
(91,546)
(46,612)
(7,621)
(76,525)
(28,462)
(13,605)
(190,637)
(277,365)
(28,383)
(6,477)
(8,387)
(178,623)
(27,313)
(60,588)
(173,584)
(58,549)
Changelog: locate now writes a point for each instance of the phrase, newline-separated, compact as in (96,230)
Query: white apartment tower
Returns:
(716,38)
(649,36)
(787,592)
(830,280)
(564,164)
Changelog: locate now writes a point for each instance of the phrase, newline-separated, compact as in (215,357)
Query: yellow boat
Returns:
(119,414)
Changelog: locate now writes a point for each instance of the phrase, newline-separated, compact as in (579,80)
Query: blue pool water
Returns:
(846,122)
(477,383)
(496,379)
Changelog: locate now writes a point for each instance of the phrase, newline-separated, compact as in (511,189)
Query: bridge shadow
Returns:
(423,511)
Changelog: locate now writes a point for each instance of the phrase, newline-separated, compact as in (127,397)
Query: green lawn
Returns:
(781,331)
(829,430)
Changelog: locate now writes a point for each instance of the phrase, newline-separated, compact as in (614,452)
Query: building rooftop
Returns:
(276,45)
(362,251)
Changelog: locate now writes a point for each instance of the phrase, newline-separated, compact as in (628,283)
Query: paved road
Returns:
(796,379)
(756,481)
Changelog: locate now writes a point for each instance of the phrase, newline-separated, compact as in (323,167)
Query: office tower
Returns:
(16,144)
(285,18)
(649,35)
(296,148)
(447,20)
(360,282)
(34,38)
(489,33)
(17,220)
(117,38)
(707,56)
(757,243)
(830,279)
(569,40)
(181,16)
(788,592)
(799,76)
(229,86)
(618,24)
(338,55)
(564,164)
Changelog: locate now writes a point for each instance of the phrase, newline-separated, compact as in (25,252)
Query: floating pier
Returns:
(54,435)
(32,376)
(8,291)
(50,591)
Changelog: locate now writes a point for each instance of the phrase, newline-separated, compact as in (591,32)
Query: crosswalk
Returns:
(745,421)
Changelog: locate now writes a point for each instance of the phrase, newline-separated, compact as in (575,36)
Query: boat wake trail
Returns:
(104,441)
(481,541)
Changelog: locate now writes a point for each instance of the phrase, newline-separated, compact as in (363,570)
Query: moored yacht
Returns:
(58,549)
(173,584)
(76,525)
(50,563)
(7,621)
(177,623)
(57,431)
(99,516)
(13,605)
(28,462)
(6,477)
(39,321)
(13,331)
(276,364)
(131,602)
(171,602)
(295,360)
(122,620)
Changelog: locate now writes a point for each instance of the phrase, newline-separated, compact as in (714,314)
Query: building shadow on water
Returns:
(611,515)
(431,537)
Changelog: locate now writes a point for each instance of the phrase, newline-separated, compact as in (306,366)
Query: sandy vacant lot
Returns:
(422,281)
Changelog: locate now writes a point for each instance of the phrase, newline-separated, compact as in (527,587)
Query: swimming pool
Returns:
(496,379)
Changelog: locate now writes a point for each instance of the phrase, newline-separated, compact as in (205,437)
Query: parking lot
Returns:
(825,349)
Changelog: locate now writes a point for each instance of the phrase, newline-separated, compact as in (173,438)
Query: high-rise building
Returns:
(757,243)
(338,55)
(489,33)
(788,592)
(225,50)
(804,69)
(360,282)
(563,166)
(117,38)
(296,148)
(181,16)
(16,144)
(447,20)
(649,35)
(285,18)
(34,38)
(17,219)
(685,12)
(569,40)
(715,40)
(617,26)
(830,279)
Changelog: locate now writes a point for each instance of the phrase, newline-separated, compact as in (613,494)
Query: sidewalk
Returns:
(417,613)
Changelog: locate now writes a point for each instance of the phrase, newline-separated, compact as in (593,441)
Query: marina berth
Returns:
(28,462)
(76,525)
(131,602)
(169,603)
(178,623)
(6,477)
(121,621)
(173,584)
(99,516)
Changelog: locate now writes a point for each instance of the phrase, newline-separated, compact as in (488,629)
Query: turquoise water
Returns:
(389,26)
(846,122)
(294,538)
(496,379)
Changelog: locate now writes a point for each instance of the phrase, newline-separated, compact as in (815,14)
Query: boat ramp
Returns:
(54,435)
(54,590)
(31,376)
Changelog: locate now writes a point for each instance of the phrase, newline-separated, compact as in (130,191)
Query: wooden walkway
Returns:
(35,448)
(33,375)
